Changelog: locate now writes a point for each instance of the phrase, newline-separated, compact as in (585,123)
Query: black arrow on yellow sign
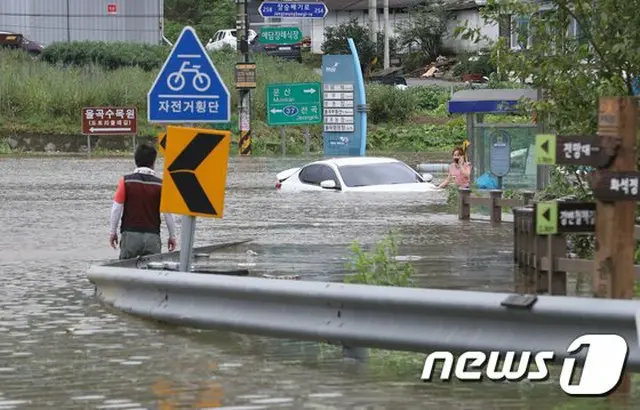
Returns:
(163,141)
(182,171)
(545,146)
(547,214)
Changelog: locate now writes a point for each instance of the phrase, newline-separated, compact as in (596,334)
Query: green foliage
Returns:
(474,64)
(575,51)
(429,97)
(380,266)
(419,137)
(389,104)
(426,27)
(206,16)
(108,55)
(335,42)
(45,97)
(572,70)
(40,97)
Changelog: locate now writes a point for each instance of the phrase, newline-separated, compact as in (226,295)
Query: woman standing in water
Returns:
(459,170)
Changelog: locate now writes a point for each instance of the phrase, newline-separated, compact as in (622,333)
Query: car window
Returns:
(311,174)
(234,33)
(378,174)
(216,36)
(326,172)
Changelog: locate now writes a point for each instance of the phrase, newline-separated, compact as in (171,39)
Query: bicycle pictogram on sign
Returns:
(188,88)
(176,80)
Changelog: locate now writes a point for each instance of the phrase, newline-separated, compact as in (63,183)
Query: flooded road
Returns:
(60,349)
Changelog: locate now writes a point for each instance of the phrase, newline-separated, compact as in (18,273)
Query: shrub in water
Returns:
(380,266)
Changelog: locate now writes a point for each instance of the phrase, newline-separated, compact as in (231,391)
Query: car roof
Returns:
(356,161)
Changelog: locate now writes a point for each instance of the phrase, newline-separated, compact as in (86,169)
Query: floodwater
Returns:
(60,349)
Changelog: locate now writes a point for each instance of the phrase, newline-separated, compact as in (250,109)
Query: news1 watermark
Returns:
(602,370)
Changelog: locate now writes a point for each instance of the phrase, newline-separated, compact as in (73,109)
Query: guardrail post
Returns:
(528,256)
(527,197)
(359,354)
(495,207)
(517,250)
(557,244)
(464,204)
(516,234)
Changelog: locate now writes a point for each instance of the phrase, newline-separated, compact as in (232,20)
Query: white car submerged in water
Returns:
(358,174)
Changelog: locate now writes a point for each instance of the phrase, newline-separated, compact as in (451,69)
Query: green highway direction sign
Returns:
(280,35)
(294,104)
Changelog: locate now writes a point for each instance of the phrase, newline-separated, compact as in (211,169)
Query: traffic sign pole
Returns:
(187,90)
(244,94)
(187,234)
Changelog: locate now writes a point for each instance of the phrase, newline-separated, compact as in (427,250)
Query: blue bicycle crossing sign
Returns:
(188,88)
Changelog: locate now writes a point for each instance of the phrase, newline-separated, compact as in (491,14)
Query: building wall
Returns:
(49,21)
(475,20)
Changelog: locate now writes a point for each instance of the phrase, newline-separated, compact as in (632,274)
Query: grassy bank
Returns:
(46,97)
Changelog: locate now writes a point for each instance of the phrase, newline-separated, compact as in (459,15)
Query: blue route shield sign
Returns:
(188,88)
(311,10)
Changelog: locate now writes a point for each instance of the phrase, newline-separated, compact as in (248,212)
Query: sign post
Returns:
(188,89)
(615,185)
(109,121)
(616,192)
(500,156)
(345,110)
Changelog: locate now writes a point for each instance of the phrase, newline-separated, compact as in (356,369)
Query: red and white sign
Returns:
(109,121)
(112,8)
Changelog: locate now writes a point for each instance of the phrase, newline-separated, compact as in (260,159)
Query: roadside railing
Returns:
(366,316)
(532,254)
(494,201)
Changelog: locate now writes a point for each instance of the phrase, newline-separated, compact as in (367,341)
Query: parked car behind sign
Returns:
(285,51)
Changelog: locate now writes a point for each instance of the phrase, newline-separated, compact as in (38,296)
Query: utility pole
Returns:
(387,58)
(244,93)
(373,20)
(68,22)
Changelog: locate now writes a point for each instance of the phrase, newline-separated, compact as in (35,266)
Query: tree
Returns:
(426,27)
(206,16)
(335,42)
(575,51)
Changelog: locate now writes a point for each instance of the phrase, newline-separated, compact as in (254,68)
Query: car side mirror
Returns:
(427,177)
(210,40)
(328,184)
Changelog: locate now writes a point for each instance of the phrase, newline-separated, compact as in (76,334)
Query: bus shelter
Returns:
(521,170)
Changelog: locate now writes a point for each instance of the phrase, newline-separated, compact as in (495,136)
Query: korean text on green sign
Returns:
(294,104)
(280,35)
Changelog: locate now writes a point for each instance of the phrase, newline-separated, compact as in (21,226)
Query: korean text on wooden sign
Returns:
(617,186)
(109,120)
(570,150)
(339,112)
(554,217)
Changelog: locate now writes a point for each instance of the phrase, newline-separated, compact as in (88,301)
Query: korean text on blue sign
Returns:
(341,134)
(188,88)
(286,9)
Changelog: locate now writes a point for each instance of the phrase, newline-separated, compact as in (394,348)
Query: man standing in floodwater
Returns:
(137,202)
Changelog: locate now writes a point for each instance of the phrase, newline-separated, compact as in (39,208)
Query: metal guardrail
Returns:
(404,319)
